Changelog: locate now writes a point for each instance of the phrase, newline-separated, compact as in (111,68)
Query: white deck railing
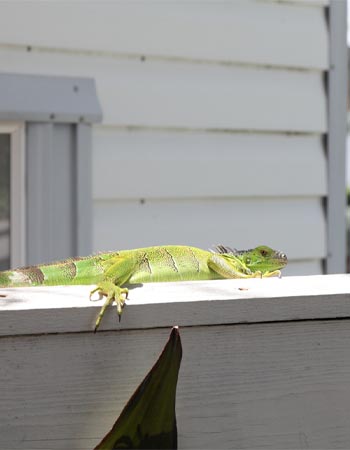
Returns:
(266,363)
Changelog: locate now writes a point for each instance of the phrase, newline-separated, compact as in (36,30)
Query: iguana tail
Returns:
(26,276)
(81,270)
(5,278)
(56,273)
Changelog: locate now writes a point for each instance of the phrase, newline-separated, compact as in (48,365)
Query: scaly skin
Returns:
(111,271)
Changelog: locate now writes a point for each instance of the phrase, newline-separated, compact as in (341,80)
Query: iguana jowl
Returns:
(113,270)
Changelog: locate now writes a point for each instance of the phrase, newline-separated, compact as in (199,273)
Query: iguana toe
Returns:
(113,294)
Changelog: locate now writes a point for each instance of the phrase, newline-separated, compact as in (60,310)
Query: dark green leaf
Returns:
(148,420)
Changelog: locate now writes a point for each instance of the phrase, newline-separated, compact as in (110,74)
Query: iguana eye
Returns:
(263,252)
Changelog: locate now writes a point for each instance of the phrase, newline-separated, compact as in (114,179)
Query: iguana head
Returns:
(263,259)
(260,259)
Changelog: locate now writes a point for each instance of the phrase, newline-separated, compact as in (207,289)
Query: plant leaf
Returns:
(148,420)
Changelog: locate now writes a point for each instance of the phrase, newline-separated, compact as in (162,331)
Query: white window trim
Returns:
(17,190)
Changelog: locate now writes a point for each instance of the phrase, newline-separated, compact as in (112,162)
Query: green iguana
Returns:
(113,270)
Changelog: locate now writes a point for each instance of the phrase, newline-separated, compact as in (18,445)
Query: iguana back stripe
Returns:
(170,260)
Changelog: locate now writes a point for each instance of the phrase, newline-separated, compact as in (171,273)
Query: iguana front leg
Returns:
(117,272)
(231,267)
(113,293)
(274,273)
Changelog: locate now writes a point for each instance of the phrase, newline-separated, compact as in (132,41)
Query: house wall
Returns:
(214,117)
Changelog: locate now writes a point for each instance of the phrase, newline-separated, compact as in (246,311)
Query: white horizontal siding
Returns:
(242,31)
(303,267)
(154,164)
(214,114)
(162,94)
(284,224)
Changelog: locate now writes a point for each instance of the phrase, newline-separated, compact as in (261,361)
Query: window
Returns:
(12,195)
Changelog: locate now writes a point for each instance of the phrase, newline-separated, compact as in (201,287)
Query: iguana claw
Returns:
(112,293)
